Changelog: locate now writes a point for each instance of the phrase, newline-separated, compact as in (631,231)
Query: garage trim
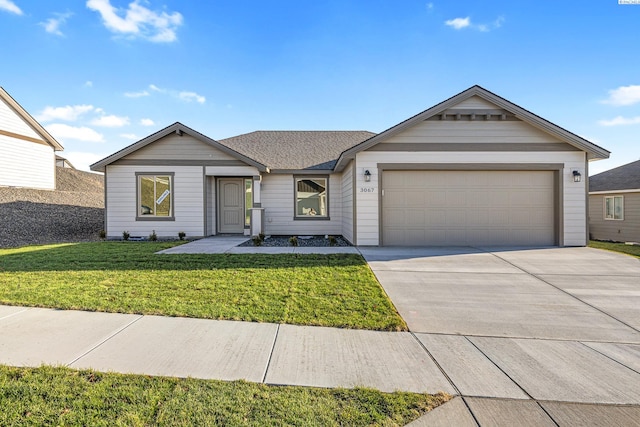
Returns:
(555,167)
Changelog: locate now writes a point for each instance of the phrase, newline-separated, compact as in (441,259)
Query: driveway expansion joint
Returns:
(609,357)
(455,387)
(16,313)
(535,276)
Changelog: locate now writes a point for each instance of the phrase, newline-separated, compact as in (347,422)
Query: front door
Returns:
(231,205)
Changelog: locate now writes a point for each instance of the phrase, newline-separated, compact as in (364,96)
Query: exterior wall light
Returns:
(576,176)
(367,176)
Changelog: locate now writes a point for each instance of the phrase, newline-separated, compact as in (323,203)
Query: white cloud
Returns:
(624,95)
(10,6)
(82,160)
(429,6)
(192,96)
(138,21)
(461,23)
(147,122)
(68,113)
(130,136)
(458,23)
(156,89)
(62,131)
(620,121)
(52,25)
(110,121)
(136,94)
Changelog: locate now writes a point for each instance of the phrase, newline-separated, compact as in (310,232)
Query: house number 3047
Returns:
(367,189)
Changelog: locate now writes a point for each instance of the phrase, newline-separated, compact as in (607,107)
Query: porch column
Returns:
(257,212)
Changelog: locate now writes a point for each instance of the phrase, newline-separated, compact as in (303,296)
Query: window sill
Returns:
(311,218)
(614,219)
(155,218)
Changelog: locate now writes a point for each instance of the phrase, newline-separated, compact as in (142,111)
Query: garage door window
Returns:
(311,198)
(614,207)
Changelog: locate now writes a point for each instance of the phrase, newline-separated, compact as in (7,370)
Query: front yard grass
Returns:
(616,247)
(62,396)
(336,290)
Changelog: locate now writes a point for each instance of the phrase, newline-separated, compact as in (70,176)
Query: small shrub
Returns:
(153,236)
(182,235)
(102,234)
(125,235)
(262,236)
(332,241)
(257,241)
(293,240)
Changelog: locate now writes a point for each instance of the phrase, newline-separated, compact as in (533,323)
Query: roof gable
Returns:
(142,149)
(43,137)
(625,177)
(478,97)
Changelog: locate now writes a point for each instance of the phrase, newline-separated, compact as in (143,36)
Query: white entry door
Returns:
(231,205)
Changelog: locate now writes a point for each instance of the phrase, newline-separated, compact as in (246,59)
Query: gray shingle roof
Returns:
(296,149)
(625,177)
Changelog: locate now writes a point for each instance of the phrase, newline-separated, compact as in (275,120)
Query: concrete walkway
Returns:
(229,245)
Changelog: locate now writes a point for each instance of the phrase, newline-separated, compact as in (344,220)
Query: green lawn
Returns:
(616,247)
(62,396)
(127,277)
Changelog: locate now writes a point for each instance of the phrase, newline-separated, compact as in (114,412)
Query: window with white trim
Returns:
(614,207)
(312,198)
(155,196)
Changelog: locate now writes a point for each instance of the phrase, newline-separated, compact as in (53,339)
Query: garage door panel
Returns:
(468,208)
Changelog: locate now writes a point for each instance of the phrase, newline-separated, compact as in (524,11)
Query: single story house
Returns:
(474,169)
(27,150)
(614,204)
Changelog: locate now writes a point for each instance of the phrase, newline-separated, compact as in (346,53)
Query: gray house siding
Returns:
(625,230)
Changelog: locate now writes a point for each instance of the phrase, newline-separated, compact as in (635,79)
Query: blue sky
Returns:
(101,74)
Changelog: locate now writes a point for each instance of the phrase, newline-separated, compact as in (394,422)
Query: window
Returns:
(312,200)
(614,207)
(155,196)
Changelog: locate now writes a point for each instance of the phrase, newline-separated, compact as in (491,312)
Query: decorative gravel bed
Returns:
(315,241)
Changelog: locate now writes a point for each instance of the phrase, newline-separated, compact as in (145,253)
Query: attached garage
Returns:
(469,207)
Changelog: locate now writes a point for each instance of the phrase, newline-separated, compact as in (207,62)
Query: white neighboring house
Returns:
(474,169)
(27,150)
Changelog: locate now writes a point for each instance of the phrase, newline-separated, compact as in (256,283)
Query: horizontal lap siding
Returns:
(277,194)
(11,122)
(477,131)
(627,230)
(174,147)
(188,202)
(26,164)
(347,203)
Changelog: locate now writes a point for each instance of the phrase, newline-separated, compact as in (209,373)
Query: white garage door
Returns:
(468,208)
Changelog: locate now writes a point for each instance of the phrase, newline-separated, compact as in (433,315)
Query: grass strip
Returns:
(62,396)
(633,250)
(337,290)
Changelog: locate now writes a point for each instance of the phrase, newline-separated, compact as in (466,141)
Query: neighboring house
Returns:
(27,150)
(614,204)
(61,162)
(475,169)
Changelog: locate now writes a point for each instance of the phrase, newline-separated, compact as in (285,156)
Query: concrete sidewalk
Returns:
(216,349)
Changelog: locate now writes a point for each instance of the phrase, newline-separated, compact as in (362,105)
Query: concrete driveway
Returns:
(523,334)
